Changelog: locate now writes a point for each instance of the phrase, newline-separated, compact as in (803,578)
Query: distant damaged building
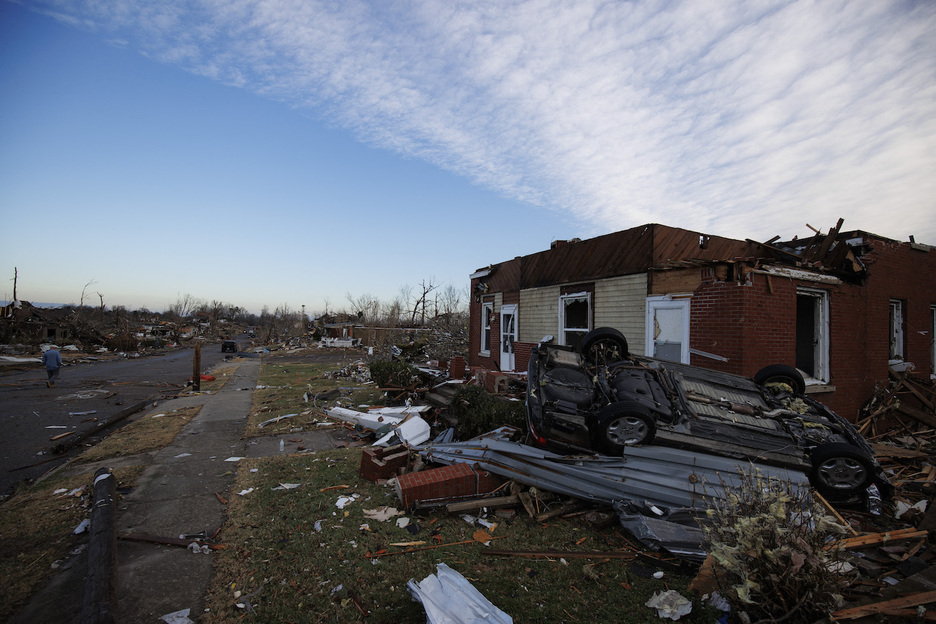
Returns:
(842,307)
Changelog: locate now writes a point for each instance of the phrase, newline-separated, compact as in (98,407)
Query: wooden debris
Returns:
(494,502)
(887,607)
(880,538)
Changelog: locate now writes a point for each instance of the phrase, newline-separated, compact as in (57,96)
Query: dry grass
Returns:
(150,433)
(36,531)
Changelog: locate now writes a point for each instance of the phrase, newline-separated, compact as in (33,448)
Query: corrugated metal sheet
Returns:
(658,475)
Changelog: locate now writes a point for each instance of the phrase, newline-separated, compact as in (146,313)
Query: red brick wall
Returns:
(447,482)
(753,323)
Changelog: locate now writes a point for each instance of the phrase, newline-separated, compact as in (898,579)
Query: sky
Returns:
(304,152)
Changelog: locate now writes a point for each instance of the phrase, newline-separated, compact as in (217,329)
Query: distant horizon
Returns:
(287,153)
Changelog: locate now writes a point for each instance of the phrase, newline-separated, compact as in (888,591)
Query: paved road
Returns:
(86,395)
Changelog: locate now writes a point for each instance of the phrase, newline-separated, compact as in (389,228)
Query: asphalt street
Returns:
(86,395)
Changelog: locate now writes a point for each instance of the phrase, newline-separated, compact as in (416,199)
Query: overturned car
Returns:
(604,399)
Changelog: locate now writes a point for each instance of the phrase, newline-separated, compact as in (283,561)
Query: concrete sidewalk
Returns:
(176,494)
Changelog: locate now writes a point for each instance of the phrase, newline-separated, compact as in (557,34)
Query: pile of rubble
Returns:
(656,494)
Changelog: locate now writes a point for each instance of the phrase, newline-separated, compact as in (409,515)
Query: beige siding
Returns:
(538,313)
(621,302)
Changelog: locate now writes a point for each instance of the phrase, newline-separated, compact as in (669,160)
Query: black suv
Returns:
(229,346)
(602,398)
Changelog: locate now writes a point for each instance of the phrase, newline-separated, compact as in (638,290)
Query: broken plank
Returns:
(567,508)
(917,414)
(913,600)
(495,502)
(60,436)
(883,449)
(527,502)
(880,538)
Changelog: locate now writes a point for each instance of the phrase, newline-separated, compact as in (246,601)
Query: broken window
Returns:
(574,318)
(812,334)
(487,313)
(668,329)
(896,330)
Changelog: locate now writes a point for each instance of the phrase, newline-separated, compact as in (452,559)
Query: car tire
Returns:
(624,424)
(604,345)
(840,468)
(781,373)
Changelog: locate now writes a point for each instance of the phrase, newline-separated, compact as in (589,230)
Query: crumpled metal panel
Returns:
(657,475)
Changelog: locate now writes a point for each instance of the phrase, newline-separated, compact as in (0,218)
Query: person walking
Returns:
(52,360)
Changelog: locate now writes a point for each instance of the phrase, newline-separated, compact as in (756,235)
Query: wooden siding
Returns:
(621,303)
(539,313)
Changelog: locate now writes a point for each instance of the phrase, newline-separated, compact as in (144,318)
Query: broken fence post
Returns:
(100,596)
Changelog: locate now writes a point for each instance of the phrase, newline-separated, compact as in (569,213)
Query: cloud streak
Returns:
(742,119)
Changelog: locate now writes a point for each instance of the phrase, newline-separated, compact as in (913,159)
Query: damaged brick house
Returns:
(842,307)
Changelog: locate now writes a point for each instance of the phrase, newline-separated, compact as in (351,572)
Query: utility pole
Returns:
(196,372)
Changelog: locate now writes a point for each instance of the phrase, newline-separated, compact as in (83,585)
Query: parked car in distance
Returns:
(229,346)
(602,398)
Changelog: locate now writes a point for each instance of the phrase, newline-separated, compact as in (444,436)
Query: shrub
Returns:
(387,373)
(479,412)
(770,542)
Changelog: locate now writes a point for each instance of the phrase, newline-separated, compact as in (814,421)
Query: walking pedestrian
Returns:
(52,360)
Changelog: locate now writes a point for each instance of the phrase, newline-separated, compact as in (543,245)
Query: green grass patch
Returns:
(37,529)
(281,391)
(149,433)
(294,556)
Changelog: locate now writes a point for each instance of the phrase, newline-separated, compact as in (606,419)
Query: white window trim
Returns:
(562,303)
(896,316)
(485,318)
(664,302)
(822,356)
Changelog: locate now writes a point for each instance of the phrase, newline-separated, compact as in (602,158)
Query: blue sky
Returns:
(263,152)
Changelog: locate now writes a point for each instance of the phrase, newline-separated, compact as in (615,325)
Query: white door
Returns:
(668,329)
(508,336)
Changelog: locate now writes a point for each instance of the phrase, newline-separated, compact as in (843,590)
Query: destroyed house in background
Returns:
(842,307)
(22,322)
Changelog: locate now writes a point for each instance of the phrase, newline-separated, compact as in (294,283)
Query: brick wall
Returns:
(445,483)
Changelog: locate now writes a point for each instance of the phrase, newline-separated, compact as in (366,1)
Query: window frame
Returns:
(896,323)
(487,327)
(564,300)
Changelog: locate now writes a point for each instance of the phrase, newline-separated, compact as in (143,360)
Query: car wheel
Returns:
(626,426)
(604,345)
(840,469)
(781,373)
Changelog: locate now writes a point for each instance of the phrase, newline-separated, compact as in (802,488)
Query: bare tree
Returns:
(81,302)
(450,300)
(420,303)
(184,306)
(366,307)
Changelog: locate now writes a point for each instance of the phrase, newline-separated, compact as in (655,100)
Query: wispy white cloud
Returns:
(737,118)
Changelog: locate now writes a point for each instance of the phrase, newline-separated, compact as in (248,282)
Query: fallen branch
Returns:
(412,550)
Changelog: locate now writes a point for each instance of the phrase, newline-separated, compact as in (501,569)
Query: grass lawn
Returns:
(300,546)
